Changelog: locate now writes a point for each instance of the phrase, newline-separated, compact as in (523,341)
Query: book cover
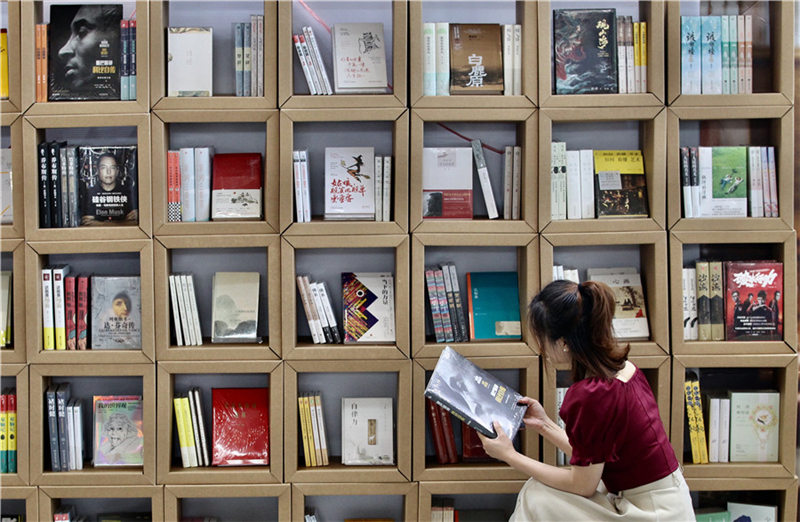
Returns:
(118,435)
(116,309)
(108,185)
(367,431)
(715,295)
(436,431)
(368,303)
(359,58)
(630,312)
(442,42)
(476,59)
(725,189)
(6,188)
(189,61)
(753,301)
(447,182)
(202,182)
(739,512)
(350,183)
(234,307)
(48,318)
(471,446)
(429,59)
(473,395)
(620,184)
(240,426)
(755,426)
(493,303)
(236,186)
(558,180)
(585,51)
(183,441)
(84,51)
(711,63)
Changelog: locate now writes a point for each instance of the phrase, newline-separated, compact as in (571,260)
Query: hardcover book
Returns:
(630,313)
(240,426)
(723,180)
(118,435)
(108,186)
(116,310)
(367,431)
(236,186)
(350,183)
(447,182)
(84,50)
(585,51)
(691,41)
(473,395)
(620,184)
(189,61)
(493,303)
(234,307)
(6,190)
(359,58)
(368,302)
(753,301)
(711,47)
(755,426)
(476,59)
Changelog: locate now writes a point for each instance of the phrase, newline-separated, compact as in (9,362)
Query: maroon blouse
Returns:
(618,423)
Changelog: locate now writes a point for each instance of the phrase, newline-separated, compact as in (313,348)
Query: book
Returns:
(187,191)
(476,59)
(447,182)
(124,60)
(387,190)
(517,60)
(378,188)
(689,304)
(754,512)
(4,63)
(247,59)
(194,393)
(368,307)
(691,422)
(713,428)
(183,441)
(305,64)
(474,396)
(433,303)
(686,184)
(773,182)
(637,57)
(444,306)
(52,424)
(306,186)
(697,404)
(175,310)
(725,34)
(724,428)
(620,184)
(436,431)
(558,180)
(367,431)
(234,308)
(48,317)
(118,435)
(460,316)
(236,186)
(723,179)
(584,50)
(304,428)
(45,190)
(711,62)
(323,317)
(59,306)
(325,298)
(630,312)
(314,439)
(587,204)
(311,314)
(471,446)
(116,309)
(691,55)
(70,421)
(108,185)
(458,335)
(359,58)
(6,188)
(4,432)
(11,431)
(189,61)
(82,312)
(429,59)
(316,399)
(483,177)
(754,426)
(297,177)
(703,293)
(622,56)
(5,308)
(574,199)
(715,294)
(316,57)
(54,157)
(733,54)
(508,180)
(85,51)
(508,60)
(493,304)
(132,94)
(202,182)
(442,42)
(240,426)
(759,316)
(76,412)
(350,183)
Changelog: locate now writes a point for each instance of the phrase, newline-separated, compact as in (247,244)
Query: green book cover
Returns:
(493,305)
(729,180)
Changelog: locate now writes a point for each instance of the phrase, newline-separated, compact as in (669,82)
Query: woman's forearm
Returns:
(556,435)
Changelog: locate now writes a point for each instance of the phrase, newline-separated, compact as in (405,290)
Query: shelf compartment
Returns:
(520,373)
(11,136)
(179,377)
(385,129)
(784,376)
(229,131)
(780,492)
(21,500)
(122,257)
(307,255)
(164,13)
(96,500)
(509,12)
(486,494)
(644,250)
(335,379)
(651,12)
(12,256)
(12,16)
(16,376)
(349,501)
(244,502)
(518,125)
(622,128)
(656,369)
(35,12)
(87,380)
(780,17)
(257,253)
(479,252)
(686,247)
(292,90)
(708,126)
(126,129)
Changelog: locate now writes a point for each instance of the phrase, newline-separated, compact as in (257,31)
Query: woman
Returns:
(613,430)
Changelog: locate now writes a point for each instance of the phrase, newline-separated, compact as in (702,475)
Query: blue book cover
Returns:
(690,55)
(493,306)
(733,54)
(585,51)
(726,57)
(711,64)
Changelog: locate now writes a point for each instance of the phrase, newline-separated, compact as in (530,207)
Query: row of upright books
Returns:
(444,442)
(8,431)
(443,510)
(69,513)
(717,54)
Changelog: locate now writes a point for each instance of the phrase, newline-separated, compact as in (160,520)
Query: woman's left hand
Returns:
(500,447)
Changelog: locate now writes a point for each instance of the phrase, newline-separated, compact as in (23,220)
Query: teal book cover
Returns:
(690,54)
(493,306)
(711,64)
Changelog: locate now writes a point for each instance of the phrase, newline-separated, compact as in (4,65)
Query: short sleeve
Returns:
(594,421)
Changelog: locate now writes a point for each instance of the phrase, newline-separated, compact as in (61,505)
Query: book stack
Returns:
(601,184)
(733,301)
(6,308)
(358,184)
(729,182)
(471,59)
(562,272)
(6,187)
(630,312)
(185,317)
(312,426)
(318,307)
(717,54)
(446,304)
(368,306)
(81,311)
(240,426)
(305,44)
(248,53)
(191,426)
(8,430)
(367,431)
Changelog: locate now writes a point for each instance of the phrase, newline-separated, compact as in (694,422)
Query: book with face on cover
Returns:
(620,184)
(630,312)
(585,51)
(118,435)
(367,431)
(753,300)
(368,303)
(240,418)
(116,312)
(234,307)
(359,58)
(108,185)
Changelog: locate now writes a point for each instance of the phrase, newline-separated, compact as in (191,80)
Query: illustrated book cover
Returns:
(108,186)
(620,184)
(368,303)
(723,181)
(473,395)
(367,431)
(585,51)
(755,426)
(739,512)
(116,312)
(753,301)
(476,59)
(236,186)
(630,312)
(189,61)
(493,304)
(118,435)
(359,58)
(234,307)
(240,426)
(447,182)
(350,183)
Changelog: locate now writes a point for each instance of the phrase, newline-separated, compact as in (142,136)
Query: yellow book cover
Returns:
(303,430)
(692,422)
(323,442)
(643,53)
(702,445)
(620,184)
(637,45)
(310,433)
(4,63)
(186,415)
(4,433)
(176,402)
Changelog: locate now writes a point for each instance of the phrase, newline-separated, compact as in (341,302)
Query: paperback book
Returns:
(447,182)
(368,302)
(108,185)
(240,426)
(755,426)
(476,59)
(118,435)
(234,308)
(585,51)
(350,183)
(753,301)
(620,184)
(493,305)
(116,312)
(367,431)
(359,58)
(189,61)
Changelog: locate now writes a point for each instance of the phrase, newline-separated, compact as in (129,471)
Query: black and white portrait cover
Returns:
(108,187)
(474,396)
(84,52)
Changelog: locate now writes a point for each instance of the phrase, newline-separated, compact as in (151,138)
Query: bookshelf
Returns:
(94,500)
(399,123)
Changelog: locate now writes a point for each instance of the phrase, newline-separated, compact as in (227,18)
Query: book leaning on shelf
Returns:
(316,299)
(189,61)
(311,62)
(234,307)
(359,58)
(190,423)
(367,431)
(493,306)
(630,312)
(118,435)
(6,308)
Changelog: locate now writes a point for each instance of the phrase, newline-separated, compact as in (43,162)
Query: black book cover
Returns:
(108,185)
(45,190)
(585,51)
(84,52)
(473,395)
(62,397)
(54,157)
(52,423)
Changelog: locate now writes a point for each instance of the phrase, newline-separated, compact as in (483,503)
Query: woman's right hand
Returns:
(535,416)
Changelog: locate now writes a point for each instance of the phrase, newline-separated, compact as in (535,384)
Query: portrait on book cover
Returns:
(116,311)
(107,190)
(118,433)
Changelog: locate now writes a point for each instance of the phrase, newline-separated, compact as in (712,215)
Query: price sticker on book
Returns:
(609,180)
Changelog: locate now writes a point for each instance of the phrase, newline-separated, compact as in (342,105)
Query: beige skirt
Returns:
(666,499)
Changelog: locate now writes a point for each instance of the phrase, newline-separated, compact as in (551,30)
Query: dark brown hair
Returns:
(581,314)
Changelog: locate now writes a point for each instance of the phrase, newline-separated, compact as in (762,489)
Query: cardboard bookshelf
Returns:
(175,495)
(382,493)
(785,488)
(18,373)
(479,489)
(27,497)
(50,498)
(14,251)
(14,103)
(17,228)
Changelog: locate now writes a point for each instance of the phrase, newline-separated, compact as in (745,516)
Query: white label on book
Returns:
(609,180)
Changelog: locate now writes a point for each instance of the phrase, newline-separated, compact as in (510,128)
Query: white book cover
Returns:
(516,184)
(176,316)
(367,431)
(306,186)
(254,65)
(574,199)
(517,60)
(319,85)
(188,212)
(773,182)
(191,308)
(690,327)
(316,320)
(442,59)
(713,429)
(315,59)
(630,60)
(189,61)
(752,512)
(558,180)
(325,297)
(429,59)
(483,177)
(201,425)
(193,414)
(195,312)
(368,307)
(447,182)
(77,419)
(260,78)
(305,300)
(733,54)
(766,192)
(234,310)
(182,291)
(298,186)
(59,306)
(587,183)
(350,183)
(756,195)
(323,317)
(304,63)
(508,180)
(48,320)
(323,437)
(755,426)
(724,429)
(70,434)
(359,58)
(378,188)
(6,194)
(622,55)
(202,183)
(387,188)
(630,315)
(571,274)
(508,59)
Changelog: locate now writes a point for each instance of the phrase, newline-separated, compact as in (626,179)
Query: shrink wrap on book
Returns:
(236,187)
(240,426)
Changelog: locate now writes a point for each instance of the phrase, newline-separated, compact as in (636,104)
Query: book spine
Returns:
(82,309)
(692,423)
(447,321)
(748,54)
(703,301)
(260,77)
(176,318)
(54,156)
(72,182)
(773,183)
(716,300)
(323,70)
(317,319)
(621,56)
(183,308)
(302,58)
(298,187)
(202,183)
(4,63)
(711,63)
(305,178)
(378,188)
(483,176)
(325,297)
(48,317)
(4,432)
(70,421)
(433,299)
(323,439)
(323,318)
(558,181)
(77,414)
(247,68)
(470,309)
(64,189)
(254,65)
(508,180)
(574,199)
(694,171)
(39,62)
(692,288)
(458,335)
(643,55)
(124,65)
(740,55)
(701,426)
(70,324)
(189,278)
(726,59)
(306,45)
(508,59)
(132,95)
(387,188)
(316,460)
(437,433)
(517,60)
(305,299)
(238,57)
(460,316)
(705,168)
(188,430)
(686,299)
(52,421)
(765,184)
(449,434)
(637,58)
(630,58)
(724,428)
(194,413)
(304,430)
(176,406)
(713,429)
(44,187)
(310,64)
(12,431)
(754,178)
(188,212)
(62,396)
(516,183)
(429,59)
(312,413)
(686,183)
(733,54)
(442,59)
(59,307)
(173,186)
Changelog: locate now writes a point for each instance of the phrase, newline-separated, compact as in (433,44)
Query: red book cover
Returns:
(435,423)
(236,186)
(753,301)
(471,447)
(449,436)
(241,426)
(82,313)
(173,186)
(69,308)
